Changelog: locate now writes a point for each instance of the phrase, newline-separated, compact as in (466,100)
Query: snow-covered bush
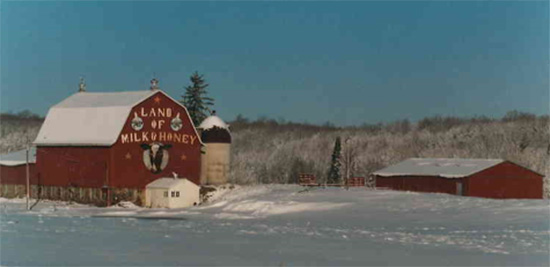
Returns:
(18,130)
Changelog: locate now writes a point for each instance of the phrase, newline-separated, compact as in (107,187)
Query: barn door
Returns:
(459,189)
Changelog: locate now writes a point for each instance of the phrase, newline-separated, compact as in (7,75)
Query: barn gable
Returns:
(158,139)
(91,119)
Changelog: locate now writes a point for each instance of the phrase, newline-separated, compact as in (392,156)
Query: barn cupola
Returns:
(154,84)
(215,160)
(81,85)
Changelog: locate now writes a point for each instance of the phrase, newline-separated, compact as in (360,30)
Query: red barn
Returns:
(490,178)
(106,147)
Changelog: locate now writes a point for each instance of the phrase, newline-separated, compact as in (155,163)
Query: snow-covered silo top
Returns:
(213,121)
(214,130)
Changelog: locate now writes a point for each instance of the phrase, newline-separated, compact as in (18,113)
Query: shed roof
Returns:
(167,182)
(18,157)
(443,167)
(90,118)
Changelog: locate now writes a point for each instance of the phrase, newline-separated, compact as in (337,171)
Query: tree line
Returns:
(276,151)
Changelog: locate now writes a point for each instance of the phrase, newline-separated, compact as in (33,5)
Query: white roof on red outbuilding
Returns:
(442,167)
(18,157)
(90,118)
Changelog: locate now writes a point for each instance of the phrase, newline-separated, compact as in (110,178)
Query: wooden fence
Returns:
(306,179)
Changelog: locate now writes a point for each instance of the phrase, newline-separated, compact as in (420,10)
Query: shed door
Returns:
(459,188)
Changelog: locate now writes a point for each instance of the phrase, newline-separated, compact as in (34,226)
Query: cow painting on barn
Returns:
(155,156)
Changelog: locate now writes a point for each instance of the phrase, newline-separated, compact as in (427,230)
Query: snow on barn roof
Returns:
(90,118)
(443,167)
(166,182)
(213,121)
(104,99)
(18,157)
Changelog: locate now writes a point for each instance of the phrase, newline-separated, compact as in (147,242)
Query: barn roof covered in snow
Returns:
(443,167)
(90,118)
(18,157)
(104,99)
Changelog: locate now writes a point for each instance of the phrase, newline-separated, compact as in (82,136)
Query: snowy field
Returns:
(283,226)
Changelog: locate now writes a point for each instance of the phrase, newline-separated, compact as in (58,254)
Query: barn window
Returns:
(177,193)
(173,193)
(165,193)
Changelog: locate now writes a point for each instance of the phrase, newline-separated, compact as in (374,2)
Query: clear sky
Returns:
(343,62)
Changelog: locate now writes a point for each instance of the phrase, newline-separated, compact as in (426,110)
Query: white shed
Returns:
(171,193)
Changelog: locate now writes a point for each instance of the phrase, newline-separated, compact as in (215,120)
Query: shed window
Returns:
(173,193)
(177,193)
(165,193)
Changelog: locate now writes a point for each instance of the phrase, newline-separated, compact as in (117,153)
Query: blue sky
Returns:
(343,62)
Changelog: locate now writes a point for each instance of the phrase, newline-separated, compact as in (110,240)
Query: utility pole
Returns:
(108,184)
(347,159)
(28,179)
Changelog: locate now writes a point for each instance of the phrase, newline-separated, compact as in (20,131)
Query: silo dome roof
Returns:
(214,130)
(213,121)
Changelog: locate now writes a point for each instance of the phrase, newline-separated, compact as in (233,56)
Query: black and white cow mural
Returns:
(155,156)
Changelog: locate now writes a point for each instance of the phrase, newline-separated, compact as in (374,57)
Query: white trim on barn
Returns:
(171,193)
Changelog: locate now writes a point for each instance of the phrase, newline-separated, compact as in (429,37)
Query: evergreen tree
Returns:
(334,175)
(195,99)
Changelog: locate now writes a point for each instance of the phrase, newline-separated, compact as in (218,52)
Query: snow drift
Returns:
(283,225)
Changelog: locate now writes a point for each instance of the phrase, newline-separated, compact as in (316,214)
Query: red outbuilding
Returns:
(490,178)
(13,172)
(106,147)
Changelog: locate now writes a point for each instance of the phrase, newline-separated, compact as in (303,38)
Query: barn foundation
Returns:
(84,195)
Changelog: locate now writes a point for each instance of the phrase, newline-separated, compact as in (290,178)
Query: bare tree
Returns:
(349,157)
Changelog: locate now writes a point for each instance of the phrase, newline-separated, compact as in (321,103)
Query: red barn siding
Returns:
(17,174)
(505,180)
(427,184)
(128,169)
(72,166)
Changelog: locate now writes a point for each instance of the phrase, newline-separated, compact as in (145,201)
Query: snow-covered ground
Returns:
(283,225)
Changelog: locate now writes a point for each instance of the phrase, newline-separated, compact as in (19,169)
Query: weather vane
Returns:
(82,85)
(154,83)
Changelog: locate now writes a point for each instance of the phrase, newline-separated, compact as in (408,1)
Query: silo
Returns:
(215,160)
